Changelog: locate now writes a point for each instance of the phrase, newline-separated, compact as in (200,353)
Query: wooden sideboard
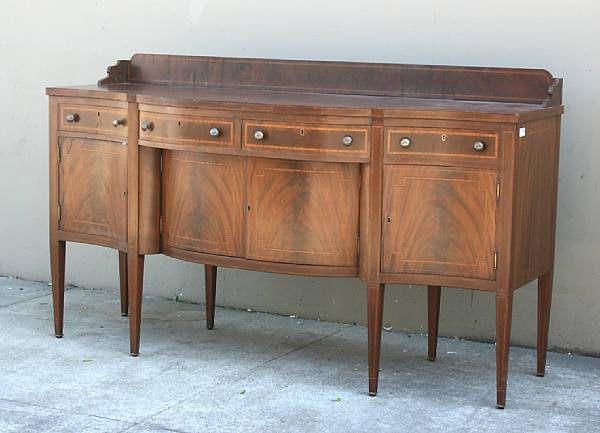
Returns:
(432,175)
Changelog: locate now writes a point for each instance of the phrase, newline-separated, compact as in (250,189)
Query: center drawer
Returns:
(184,129)
(297,140)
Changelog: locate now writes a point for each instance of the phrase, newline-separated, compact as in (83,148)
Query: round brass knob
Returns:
(259,135)
(214,132)
(118,122)
(347,140)
(147,125)
(479,146)
(405,142)
(72,117)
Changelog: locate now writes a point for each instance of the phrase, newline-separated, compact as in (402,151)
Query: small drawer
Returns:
(440,143)
(93,119)
(317,141)
(187,130)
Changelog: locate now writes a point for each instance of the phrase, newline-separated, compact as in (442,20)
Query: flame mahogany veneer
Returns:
(436,175)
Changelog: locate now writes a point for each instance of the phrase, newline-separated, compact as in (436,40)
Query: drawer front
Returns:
(337,142)
(441,143)
(187,130)
(93,119)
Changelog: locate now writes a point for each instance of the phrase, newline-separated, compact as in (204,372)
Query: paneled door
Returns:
(203,202)
(92,187)
(439,221)
(302,212)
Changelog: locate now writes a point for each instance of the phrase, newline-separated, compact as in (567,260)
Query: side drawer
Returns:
(184,130)
(92,119)
(440,144)
(297,140)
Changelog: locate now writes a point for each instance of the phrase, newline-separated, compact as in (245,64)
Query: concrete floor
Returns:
(261,373)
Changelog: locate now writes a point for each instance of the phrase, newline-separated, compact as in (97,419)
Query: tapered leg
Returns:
(433,316)
(544,301)
(135,274)
(57,270)
(503,321)
(123,283)
(210,286)
(375,319)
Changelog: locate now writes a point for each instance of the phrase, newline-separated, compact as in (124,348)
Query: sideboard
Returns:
(441,176)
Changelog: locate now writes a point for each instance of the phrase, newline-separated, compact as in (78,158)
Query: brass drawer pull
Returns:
(118,122)
(479,146)
(214,132)
(72,117)
(347,140)
(405,142)
(147,125)
(259,135)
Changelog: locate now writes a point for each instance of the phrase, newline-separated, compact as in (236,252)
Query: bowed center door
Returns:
(302,212)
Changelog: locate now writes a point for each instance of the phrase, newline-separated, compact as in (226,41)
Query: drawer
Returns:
(92,119)
(317,141)
(440,143)
(187,130)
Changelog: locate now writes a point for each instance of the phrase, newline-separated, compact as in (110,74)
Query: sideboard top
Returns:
(153,78)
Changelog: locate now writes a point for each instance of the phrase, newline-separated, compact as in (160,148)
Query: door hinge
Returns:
(58,213)
(161,163)
(498,189)
(496,259)
(358,247)
(160,225)
(59,154)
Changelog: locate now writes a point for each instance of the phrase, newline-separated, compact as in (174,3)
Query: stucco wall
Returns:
(65,43)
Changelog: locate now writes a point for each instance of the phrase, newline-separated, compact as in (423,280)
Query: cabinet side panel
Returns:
(53,168)
(149,181)
(534,201)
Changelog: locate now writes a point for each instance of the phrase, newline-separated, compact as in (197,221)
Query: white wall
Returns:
(71,42)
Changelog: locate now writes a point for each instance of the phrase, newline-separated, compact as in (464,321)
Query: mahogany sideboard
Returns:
(433,175)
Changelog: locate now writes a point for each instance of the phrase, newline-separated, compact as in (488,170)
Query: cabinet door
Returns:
(202,202)
(439,220)
(92,187)
(302,212)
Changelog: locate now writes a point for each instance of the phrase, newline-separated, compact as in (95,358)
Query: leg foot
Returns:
(433,316)
(210,286)
(123,283)
(57,268)
(135,276)
(503,323)
(544,302)
(375,319)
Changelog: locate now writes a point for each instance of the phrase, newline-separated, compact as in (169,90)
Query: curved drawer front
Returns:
(334,142)
(92,119)
(187,130)
(441,143)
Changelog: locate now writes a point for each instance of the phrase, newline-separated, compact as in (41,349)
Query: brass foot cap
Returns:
(124,314)
(210,326)
(59,336)
(372,393)
(135,354)
(540,374)
(500,406)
